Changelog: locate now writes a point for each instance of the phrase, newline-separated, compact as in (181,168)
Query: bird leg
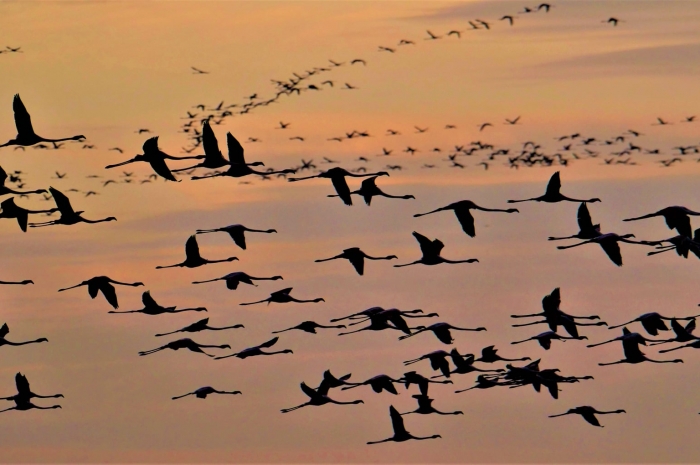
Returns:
(258,302)
(184,395)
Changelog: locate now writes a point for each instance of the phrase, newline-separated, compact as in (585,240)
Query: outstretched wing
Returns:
(235,150)
(62,202)
(690,327)
(3,176)
(341,187)
(269,343)
(585,223)
(232,283)
(466,219)
(590,418)
(554,185)
(23,121)
(427,246)
(612,249)
(191,248)
(238,236)
(151,145)
(4,331)
(209,142)
(147,300)
(282,292)
(308,391)
(110,294)
(358,261)
(397,422)
(22,384)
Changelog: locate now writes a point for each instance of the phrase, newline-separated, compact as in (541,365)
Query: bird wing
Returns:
(690,327)
(553,185)
(62,201)
(426,245)
(269,343)
(680,223)
(590,418)
(444,335)
(466,219)
(232,284)
(235,150)
(110,294)
(191,247)
(358,261)
(160,167)
(282,292)
(209,142)
(4,331)
(488,351)
(397,422)
(585,223)
(23,121)
(3,176)
(238,237)
(147,300)
(308,391)
(341,187)
(151,145)
(612,249)
(546,343)
(22,384)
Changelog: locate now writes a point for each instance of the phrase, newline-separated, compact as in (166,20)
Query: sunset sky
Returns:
(107,69)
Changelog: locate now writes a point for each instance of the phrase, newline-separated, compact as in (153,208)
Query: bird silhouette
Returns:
(378,384)
(464,216)
(103,284)
(588,413)
(68,215)
(400,433)
(587,230)
(545,339)
(25,132)
(213,157)
(425,407)
(630,347)
(26,281)
(441,331)
(26,405)
(283,297)
(489,355)
(203,392)
(483,382)
(192,257)
(5,330)
(151,307)
(317,398)
(237,233)
(234,279)
(357,258)
(464,364)
(11,210)
(369,189)
(24,392)
(412,377)
(431,252)
(552,194)
(676,218)
(156,158)
(185,343)
(308,327)
(337,176)
(609,244)
(257,350)
(201,325)
(653,322)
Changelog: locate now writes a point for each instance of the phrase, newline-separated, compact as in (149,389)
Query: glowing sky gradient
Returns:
(106,69)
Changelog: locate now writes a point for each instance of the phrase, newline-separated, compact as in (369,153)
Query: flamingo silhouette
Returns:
(234,279)
(192,257)
(25,132)
(213,158)
(545,339)
(411,377)
(633,354)
(68,215)
(676,218)
(489,355)
(609,244)
(464,216)
(26,405)
(308,327)
(587,230)
(201,325)
(203,392)
(438,361)
(552,194)
(400,433)
(464,364)
(283,297)
(24,392)
(588,413)
(317,399)
(151,307)
(257,350)
(357,258)
(431,252)
(425,407)
(369,189)
(236,231)
(185,343)
(103,284)
(11,210)
(483,382)
(337,176)
(156,158)
(5,330)
(237,164)
(378,384)
(441,331)
(653,322)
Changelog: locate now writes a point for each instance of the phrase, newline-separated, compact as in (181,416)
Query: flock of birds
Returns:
(446,364)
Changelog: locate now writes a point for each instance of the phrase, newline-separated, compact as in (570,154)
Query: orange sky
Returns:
(106,69)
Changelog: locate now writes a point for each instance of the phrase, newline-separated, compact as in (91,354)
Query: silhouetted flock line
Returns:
(376,318)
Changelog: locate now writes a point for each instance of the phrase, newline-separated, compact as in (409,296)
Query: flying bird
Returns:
(203,392)
(257,350)
(192,257)
(357,258)
(68,215)
(185,343)
(464,216)
(431,252)
(400,433)
(552,194)
(588,413)
(104,285)
(283,297)
(237,233)
(234,279)
(151,307)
